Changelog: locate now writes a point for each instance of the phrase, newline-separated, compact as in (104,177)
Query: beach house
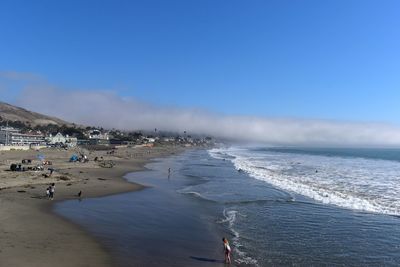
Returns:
(97,137)
(10,136)
(60,139)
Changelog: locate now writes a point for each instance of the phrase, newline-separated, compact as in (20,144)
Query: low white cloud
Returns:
(107,109)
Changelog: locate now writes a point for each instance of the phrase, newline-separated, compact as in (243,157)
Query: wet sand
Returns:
(31,235)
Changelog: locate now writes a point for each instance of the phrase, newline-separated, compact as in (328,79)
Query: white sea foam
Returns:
(241,257)
(354,183)
(197,194)
(217,153)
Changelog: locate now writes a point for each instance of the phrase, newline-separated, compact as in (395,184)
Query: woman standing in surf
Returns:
(227,250)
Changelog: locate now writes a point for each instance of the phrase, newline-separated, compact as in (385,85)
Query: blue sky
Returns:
(306,59)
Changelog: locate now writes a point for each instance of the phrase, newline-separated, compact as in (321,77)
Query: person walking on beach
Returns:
(52,190)
(48,192)
(227,250)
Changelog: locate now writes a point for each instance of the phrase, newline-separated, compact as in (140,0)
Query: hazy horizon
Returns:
(107,109)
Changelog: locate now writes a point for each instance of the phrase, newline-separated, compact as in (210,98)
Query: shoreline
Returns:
(129,224)
(34,235)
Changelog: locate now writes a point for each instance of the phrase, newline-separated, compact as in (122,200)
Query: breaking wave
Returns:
(371,185)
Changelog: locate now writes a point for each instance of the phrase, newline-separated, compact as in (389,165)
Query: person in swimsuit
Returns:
(227,250)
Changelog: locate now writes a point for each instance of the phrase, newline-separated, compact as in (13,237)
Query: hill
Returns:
(12,113)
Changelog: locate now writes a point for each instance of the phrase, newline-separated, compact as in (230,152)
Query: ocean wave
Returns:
(358,184)
(195,194)
(261,201)
(220,153)
(216,199)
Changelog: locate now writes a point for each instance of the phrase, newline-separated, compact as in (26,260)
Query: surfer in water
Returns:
(227,250)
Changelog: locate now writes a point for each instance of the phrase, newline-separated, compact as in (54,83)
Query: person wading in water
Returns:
(227,250)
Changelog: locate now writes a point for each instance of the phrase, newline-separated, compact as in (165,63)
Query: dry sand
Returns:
(31,235)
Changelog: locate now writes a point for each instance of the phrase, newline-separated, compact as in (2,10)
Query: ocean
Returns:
(276,206)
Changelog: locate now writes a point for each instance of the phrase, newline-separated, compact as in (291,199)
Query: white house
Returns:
(97,134)
(61,139)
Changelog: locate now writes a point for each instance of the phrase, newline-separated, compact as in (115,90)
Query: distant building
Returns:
(119,142)
(91,142)
(5,135)
(83,142)
(11,137)
(97,134)
(59,138)
(96,137)
(149,140)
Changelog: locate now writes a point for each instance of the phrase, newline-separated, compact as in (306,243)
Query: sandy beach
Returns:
(34,236)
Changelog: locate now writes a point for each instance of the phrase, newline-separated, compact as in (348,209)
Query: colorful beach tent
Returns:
(73,158)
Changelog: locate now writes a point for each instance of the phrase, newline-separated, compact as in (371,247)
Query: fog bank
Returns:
(106,109)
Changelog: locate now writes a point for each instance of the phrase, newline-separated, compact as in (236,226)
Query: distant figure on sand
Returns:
(52,189)
(48,192)
(169,170)
(227,250)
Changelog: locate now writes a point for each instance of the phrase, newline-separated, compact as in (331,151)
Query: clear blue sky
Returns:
(313,59)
